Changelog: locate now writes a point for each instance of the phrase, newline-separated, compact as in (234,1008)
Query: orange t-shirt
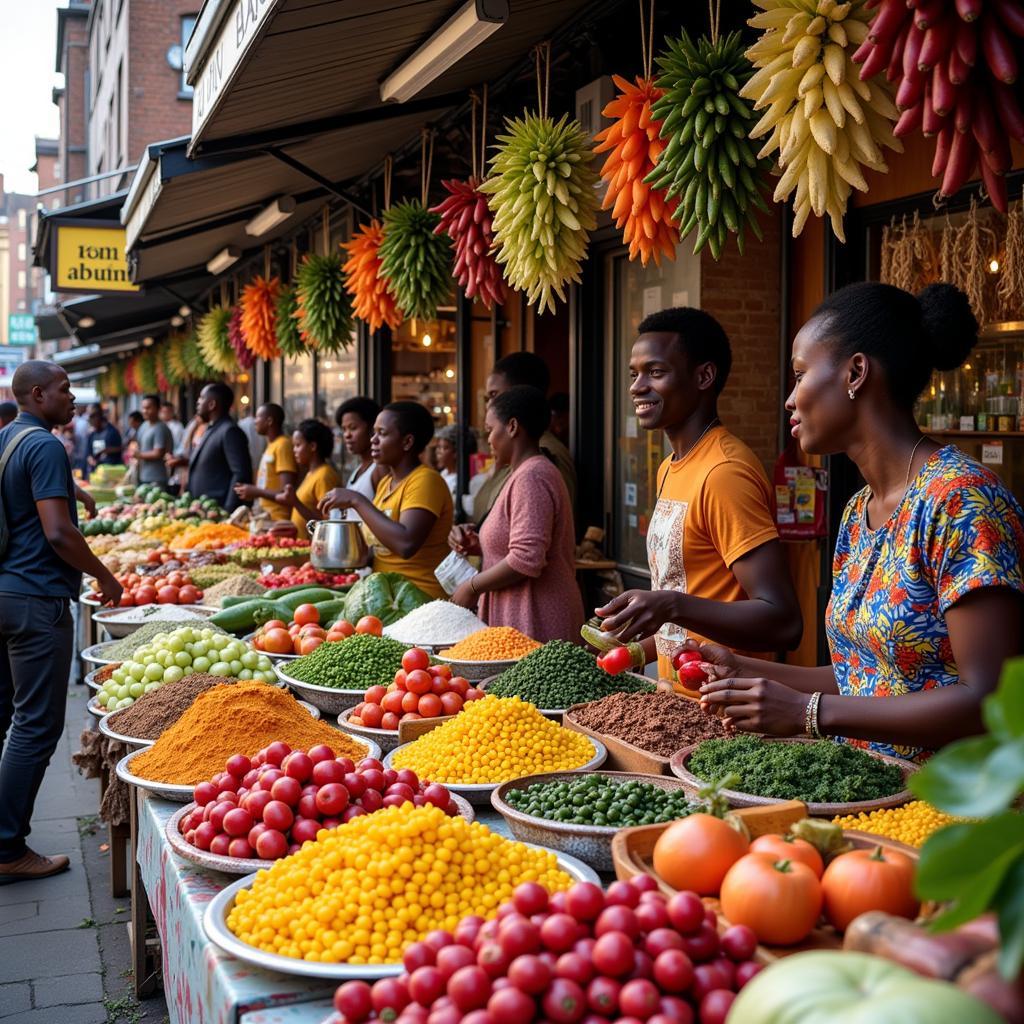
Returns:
(714,506)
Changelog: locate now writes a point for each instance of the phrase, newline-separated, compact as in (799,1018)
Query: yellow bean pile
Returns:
(912,823)
(365,890)
(493,740)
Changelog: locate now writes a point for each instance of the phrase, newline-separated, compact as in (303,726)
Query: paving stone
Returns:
(48,954)
(93,1013)
(15,998)
(69,990)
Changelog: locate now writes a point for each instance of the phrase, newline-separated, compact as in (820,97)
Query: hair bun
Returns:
(949,325)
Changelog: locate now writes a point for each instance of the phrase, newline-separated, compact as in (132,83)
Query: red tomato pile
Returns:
(292,575)
(420,690)
(269,806)
(305,634)
(174,588)
(584,955)
(271,540)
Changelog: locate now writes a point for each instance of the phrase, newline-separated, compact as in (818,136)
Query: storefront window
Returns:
(337,379)
(636,292)
(424,366)
(298,390)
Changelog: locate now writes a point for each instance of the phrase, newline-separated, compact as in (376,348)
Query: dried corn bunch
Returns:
(415,263)
(236,337)
(214,343)
(709,164)
(825,123)
(174,359)
(466,220)
(372,302)
(289,338)
(259,310)
(543,201)
(642,211)
(145,371)
(324,311)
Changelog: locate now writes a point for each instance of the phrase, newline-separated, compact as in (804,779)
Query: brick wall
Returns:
(74,106)
(744,293)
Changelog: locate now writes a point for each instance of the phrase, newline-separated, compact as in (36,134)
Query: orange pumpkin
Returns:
(696,852)
(780,900)
(864,880)
(789,848)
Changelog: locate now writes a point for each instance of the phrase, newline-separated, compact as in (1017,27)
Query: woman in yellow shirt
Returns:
(411,513)
(312,445)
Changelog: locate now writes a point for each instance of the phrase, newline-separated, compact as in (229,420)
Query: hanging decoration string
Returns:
(389,164)
(483,134)
(426,161)
(223,292)
(647,38)
(266,261)
(473,152)
(325,216)
(542,54)
(715,18)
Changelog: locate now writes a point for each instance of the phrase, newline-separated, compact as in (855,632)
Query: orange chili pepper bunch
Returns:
(259,317)
(633,146)
(372,301)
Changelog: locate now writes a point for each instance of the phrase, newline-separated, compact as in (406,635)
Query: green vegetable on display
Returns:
(324,312)
(415,262)
(286,324)
(709,164)
(560,674)
(594,799)
(544,200)
(361,661)
(388,596)
(822,772)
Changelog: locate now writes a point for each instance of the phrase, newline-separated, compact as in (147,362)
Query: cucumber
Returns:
(241,617)
(330,611)
(235,599)
(307,595)
(279,592)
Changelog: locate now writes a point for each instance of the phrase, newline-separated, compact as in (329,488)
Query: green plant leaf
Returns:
(972,778)
(1004,710)
(967,864)
(1010,901)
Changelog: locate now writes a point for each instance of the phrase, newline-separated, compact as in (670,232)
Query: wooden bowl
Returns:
(623,756)
(680,759)
(592,844)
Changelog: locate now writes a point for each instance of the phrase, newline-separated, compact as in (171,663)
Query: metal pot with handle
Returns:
(337,544)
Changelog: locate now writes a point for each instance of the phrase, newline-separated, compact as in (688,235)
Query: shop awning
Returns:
(279,71)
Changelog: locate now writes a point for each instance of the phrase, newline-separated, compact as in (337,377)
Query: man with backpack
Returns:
(42,558)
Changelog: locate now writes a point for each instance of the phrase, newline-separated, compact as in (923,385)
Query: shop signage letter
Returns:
(90,259)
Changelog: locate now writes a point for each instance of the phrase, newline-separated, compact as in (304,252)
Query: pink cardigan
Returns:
(531,526)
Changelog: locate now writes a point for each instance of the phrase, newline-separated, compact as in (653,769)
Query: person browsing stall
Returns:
(104,443)
(411,513)
(220,455)
(717,566)
(355,418)
(312,445)
(155,442)
(40,575)
(927,574)
(527,542)
(278,470)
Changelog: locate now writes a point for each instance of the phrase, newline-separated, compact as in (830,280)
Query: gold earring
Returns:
(851,393)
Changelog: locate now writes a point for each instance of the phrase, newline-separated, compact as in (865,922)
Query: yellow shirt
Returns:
(714,507)
(316,483)
(277,459)
(422,488)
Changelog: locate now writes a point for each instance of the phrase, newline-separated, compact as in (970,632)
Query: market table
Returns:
(201,983)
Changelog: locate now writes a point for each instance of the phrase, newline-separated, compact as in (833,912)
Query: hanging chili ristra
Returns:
(259,312)
(214,343)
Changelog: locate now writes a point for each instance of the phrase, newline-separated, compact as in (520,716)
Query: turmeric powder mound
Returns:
(238,719)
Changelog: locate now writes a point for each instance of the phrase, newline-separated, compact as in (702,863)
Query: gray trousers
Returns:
(36,647)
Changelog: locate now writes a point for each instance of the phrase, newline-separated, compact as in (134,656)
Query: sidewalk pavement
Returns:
(64,954)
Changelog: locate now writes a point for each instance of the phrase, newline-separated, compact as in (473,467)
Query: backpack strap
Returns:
(12,445)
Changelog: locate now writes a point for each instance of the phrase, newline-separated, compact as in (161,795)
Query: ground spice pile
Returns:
(153,712)
(496,643)
(233,586)
(240,718)
(660,723)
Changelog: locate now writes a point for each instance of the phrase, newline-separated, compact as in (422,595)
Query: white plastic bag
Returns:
(454,571)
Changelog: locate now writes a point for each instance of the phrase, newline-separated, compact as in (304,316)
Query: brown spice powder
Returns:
(660,723)
(155,711)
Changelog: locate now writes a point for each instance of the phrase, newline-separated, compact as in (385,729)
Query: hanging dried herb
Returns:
(372,302)
(214,343)
(198,368)
(289,338)
(324,308)
(1010,290)
(259,311)
(415,262)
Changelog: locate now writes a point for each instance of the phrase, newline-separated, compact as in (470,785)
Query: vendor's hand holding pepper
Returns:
(636,614)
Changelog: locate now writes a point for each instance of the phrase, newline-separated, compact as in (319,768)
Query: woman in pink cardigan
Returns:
(527,540)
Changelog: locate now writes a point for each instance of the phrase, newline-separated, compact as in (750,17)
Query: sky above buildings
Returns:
(27,80)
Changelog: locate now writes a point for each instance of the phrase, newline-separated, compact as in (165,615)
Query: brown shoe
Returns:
(32,865)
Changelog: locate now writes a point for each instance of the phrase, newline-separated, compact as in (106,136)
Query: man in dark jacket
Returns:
(220,458)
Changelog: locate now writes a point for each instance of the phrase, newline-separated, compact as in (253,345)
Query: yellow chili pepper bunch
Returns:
(912,823)
(493,740)
(363,891)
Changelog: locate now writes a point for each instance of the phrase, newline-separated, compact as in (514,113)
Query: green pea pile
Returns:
(560,674)
(594,799)
(357,663)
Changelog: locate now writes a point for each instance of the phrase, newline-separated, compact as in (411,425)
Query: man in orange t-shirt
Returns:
(717,568)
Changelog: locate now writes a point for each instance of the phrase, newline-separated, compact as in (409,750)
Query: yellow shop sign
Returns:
(91,259)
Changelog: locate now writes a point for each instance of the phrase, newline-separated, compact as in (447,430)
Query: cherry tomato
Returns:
(738,942)
(715,1006)
(469,987)
(271,844)
(558,932)
(273,624)
(370,624)
(415,658)
(584,901)
(418,682)
(613,953)
(617,919)
(603,995)
(458,685)
(453,958)
(344,627)
(564,1002)
(389,994)
(686,912)
(691,675)
(167,594)
(426,984)
(430,706)
(529,974)
(673,970)
(417,954)
(639,998)
(278,815)
(451,703)
(375,694)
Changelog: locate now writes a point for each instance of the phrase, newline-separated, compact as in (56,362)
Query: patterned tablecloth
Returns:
(201,983)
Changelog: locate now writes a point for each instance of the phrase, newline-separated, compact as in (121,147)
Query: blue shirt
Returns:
(108,436)
(38,469)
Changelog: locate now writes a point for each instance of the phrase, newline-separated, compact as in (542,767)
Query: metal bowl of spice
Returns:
(326,698)
(122,622)
(98,676)
(100,654)
(592,843)
(95,708)
(818,768)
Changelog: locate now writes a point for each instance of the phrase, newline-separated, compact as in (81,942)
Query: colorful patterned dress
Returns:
(957,529)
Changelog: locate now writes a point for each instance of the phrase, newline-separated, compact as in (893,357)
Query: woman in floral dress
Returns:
(927,573)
